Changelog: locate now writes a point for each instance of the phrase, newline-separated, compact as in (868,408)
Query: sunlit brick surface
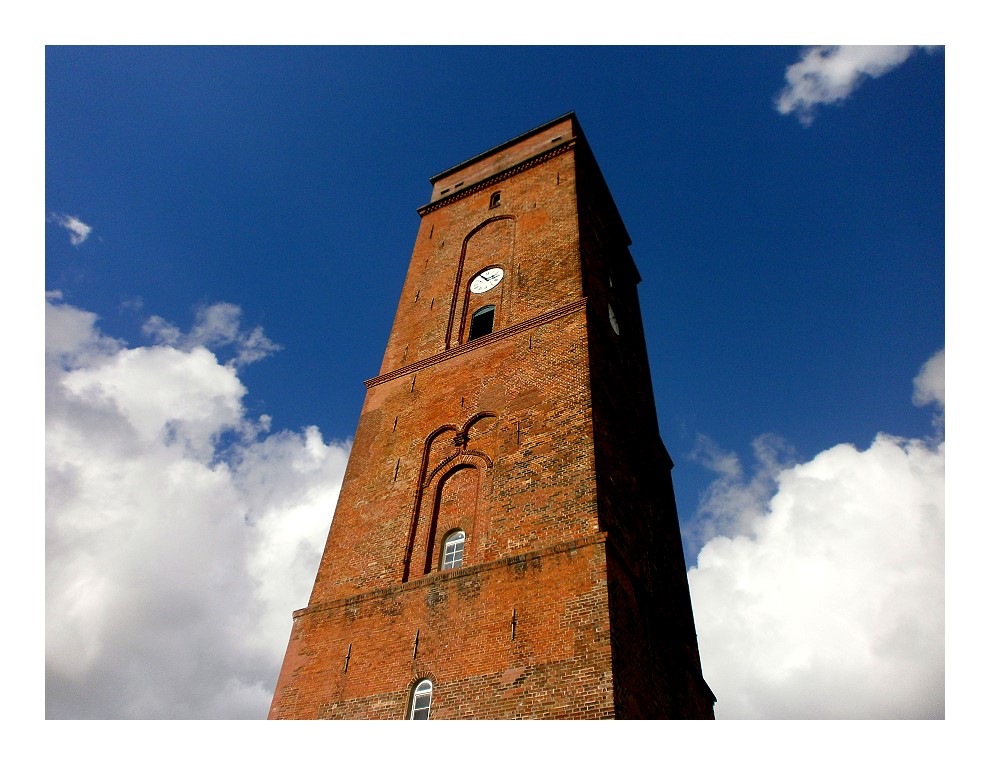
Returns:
(539,442)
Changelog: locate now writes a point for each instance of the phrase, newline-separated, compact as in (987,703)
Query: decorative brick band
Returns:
(494,337)
(493,180)
(455,573)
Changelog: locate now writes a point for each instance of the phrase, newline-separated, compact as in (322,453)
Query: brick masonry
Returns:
(539,442)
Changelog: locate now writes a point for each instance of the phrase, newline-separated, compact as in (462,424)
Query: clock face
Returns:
(612,320)
(487,279)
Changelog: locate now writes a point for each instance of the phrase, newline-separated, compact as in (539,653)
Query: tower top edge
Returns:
(507,144)
(540,142)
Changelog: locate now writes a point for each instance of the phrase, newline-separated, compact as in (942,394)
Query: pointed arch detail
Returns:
(441,499)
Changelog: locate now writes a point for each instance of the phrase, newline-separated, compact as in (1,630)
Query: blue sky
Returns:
(793,265)
(793,278)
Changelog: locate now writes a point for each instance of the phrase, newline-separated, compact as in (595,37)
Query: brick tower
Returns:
(506,542)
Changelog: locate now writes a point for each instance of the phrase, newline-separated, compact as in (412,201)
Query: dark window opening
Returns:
(482,322)
(495,200)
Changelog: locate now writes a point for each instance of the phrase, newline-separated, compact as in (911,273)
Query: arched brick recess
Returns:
(446,453)
(490,244)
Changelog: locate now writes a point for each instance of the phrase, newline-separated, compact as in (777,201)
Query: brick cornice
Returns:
(455,573)
(499,177)
(494,337)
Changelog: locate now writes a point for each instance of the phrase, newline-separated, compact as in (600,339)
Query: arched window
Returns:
(453,550)
(496,200)
(419,706)
(482,322)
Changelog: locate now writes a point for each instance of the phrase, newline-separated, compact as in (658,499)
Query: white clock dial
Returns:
(613,320)
(487,279)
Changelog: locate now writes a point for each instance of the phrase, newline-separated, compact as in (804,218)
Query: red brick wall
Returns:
(554,664)
(533,458)
(532,235)
(502,157)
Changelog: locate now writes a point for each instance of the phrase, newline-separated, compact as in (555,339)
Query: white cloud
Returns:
(732,504)
(172,567)
(217,326)
(78,231)
(929,385)
(929,388)
(71,336)
(162,332)
(827,599)
(829,74)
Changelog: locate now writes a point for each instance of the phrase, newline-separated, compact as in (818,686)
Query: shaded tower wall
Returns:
(656,665)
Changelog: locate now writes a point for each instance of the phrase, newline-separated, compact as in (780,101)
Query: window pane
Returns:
(453,551)
(421,701)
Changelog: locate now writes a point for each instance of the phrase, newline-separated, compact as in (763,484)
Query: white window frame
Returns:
(423,690)
(454,542)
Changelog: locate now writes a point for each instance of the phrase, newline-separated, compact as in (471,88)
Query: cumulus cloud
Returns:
(830,73)
(172,564)
(733,504)
(823,593)
(929,388)
(217,327)
(929,385)
(78,231)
